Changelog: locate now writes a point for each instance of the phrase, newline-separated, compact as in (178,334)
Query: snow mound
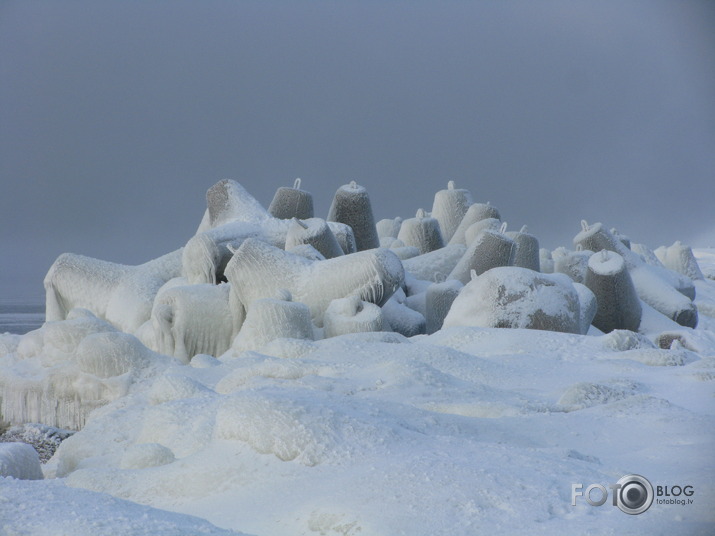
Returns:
(66,510)
(585,394)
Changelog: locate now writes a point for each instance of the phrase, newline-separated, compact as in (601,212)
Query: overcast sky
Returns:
(115,117)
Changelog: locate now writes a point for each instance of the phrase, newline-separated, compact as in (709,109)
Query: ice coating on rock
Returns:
(626,241)
(667,292)
(308,251)
(351,206)
(272,318)
(587,306)
(291,203)
(402,319)
(315,232)
(351,315)
(344,235)
(110,354)
(435,265)
(64,370)
(572,263)
(647,254)
(206,254)
(489,250)
(228,201)
(422,232)
(527,249)
(192,319)
(618,306)
(388,227)
(654,289)
(449,207)
(513,297)
(477,227)
(680,258)
(120,294)
(476,212)
(259,270)
(20,460)
(438,300)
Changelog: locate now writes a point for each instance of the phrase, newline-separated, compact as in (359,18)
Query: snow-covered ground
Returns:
(469,430)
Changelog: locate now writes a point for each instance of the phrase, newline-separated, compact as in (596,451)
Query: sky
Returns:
(116,117)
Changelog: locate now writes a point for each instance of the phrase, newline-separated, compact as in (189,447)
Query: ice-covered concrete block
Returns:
(351,205)
(291,203)
(449,207)
(513,297)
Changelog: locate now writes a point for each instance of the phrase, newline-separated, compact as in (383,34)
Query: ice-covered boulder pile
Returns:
(251,276)
(284,373)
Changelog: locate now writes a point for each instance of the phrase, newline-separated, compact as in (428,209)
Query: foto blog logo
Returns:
(632,494)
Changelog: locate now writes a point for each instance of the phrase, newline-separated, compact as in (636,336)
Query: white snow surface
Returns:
(470,430)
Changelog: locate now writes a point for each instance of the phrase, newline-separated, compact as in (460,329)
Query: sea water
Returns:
(20,315)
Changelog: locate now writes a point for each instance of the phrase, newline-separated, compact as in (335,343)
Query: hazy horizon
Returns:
(116,117)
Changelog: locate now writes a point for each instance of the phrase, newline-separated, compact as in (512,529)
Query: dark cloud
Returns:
(115,117)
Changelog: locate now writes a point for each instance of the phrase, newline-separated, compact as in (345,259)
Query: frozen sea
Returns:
(21,315)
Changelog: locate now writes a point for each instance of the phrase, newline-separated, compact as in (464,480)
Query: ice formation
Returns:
(618,306)
(489,249)
(513,297)
(191,319)
(351,315)
(438,300)
(680,258)
(388,228)
(527,249)
(316,233)
(351,206)
(291,203)
(267,363)
(421,232)
(121,294)
(273,318)
(475,213)
(449,208)
(259,270)
(666,291)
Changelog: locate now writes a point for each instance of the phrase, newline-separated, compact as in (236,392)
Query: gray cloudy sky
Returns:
(115,117)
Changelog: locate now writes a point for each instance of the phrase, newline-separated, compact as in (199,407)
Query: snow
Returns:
(310,417)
